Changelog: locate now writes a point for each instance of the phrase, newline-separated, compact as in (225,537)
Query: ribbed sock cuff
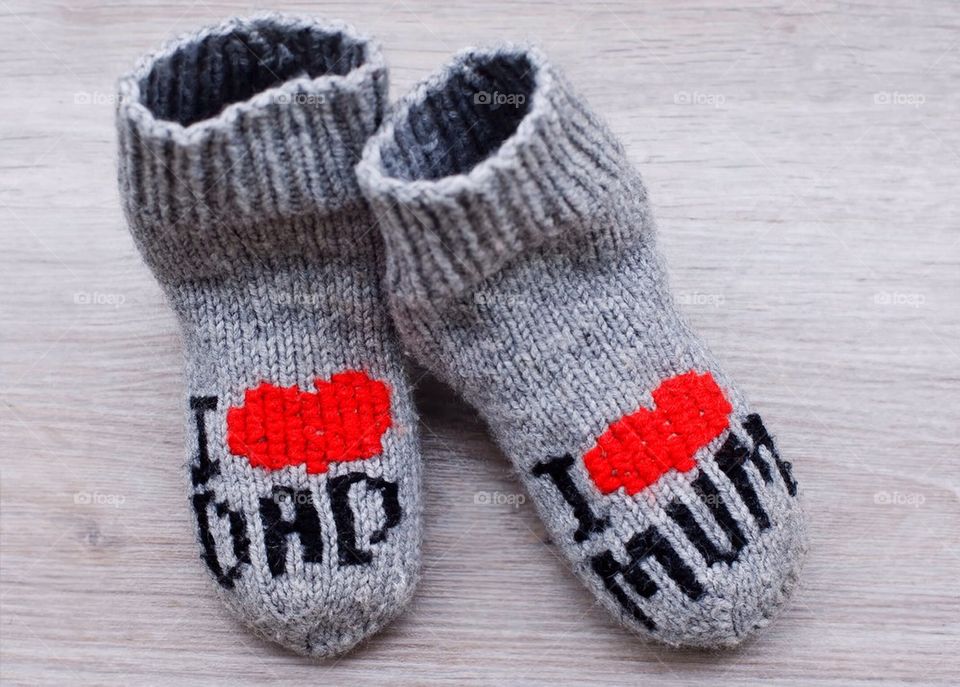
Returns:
(240,141)
(491,157)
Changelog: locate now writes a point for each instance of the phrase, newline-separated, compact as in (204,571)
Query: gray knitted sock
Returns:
(521,268)
(237,147)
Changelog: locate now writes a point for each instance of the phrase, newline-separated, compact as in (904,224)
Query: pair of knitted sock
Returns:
(492,226)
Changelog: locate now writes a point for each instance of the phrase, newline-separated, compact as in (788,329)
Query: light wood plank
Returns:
(792,206)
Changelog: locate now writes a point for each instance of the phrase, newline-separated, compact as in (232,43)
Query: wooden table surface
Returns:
(804,163)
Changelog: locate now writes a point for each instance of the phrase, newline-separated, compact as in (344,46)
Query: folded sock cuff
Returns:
(241,140)
(491,157)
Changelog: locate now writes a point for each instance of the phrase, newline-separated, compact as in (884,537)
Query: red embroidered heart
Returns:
(637,449)
(280,426)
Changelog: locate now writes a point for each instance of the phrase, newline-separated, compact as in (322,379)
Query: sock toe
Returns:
(329,626)
(746,596)
(329,612)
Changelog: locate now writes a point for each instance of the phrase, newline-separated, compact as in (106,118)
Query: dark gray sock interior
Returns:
(200,79)
(462,121)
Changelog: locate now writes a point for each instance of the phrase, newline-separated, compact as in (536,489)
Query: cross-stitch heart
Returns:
(280,426)
(636,450)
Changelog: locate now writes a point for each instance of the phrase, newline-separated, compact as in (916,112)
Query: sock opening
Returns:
(464,119)
(201,78)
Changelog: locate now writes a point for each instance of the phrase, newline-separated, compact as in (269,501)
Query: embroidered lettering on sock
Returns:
(732,457)
(238,536)
(349,551)
(201,471)
(754,426)
(277,530)
(558,470)
(203,468)
(607,567)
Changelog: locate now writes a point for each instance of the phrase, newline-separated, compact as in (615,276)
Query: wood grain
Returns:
(804,161)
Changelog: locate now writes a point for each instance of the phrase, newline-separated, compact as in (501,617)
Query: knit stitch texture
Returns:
(522,269)
(237,149)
